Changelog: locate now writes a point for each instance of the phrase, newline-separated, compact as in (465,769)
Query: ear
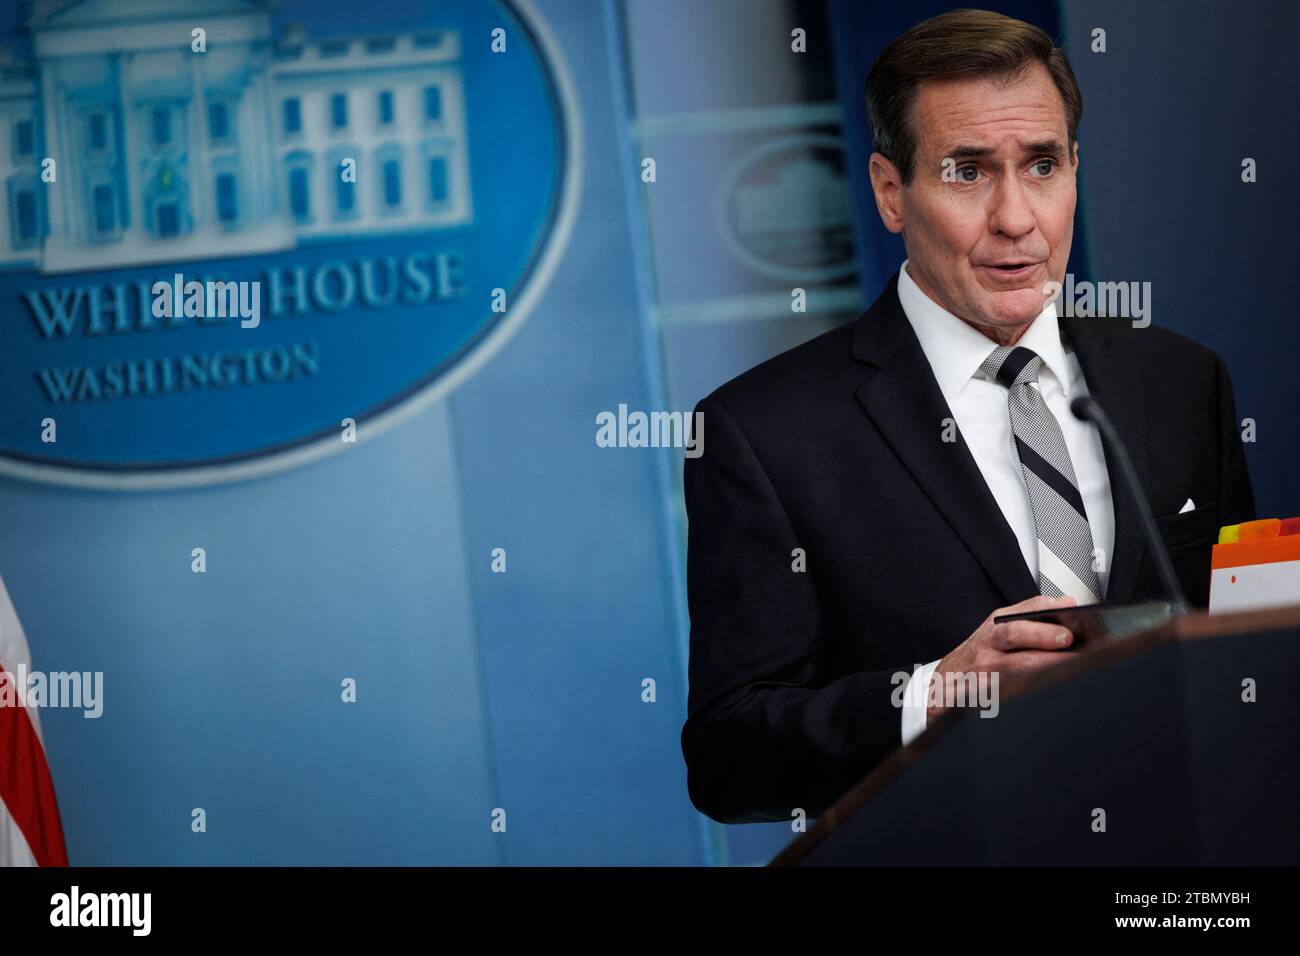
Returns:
(1076,156)
(888,187)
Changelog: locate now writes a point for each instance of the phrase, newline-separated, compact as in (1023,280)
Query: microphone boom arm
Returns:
(1085,409)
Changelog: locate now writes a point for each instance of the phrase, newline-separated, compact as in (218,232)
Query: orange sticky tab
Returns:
(1289,526)
(1228,533)
(1258,530)
(1260,551)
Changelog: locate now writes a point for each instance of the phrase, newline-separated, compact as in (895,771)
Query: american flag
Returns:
(30,831)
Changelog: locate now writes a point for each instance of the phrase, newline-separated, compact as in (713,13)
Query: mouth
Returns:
(1011,269)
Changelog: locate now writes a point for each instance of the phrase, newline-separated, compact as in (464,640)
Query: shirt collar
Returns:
(956,350)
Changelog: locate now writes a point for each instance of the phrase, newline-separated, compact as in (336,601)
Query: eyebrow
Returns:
(1046,147)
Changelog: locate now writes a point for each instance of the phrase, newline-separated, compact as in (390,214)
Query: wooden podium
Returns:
(1150,736)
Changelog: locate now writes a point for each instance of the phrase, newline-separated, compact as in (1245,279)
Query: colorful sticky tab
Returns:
(1289,526)
(1228,534)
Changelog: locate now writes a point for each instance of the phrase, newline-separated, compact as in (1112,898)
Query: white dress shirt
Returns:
(955,352)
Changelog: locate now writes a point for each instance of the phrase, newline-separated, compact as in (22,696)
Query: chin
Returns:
(1016,308)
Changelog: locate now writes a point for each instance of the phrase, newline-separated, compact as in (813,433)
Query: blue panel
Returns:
(433,103)
(168,216)
(23,138)
(1164,137)
(438,179)
(218,121)
(98,131)
(222,689)
(345,194)
(161,128)
(292,115)
(104,214)
(392,182)
(25,203)
(299,193)
(585,611)
(752,197)
(227,205)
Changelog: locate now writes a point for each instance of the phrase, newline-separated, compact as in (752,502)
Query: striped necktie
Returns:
(1060,522)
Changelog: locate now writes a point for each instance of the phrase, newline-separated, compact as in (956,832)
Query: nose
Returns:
(1011,214)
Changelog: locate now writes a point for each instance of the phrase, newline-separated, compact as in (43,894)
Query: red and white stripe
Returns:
(30,831)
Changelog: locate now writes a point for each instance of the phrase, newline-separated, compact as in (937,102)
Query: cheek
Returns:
(1061,247)
(1061,235)
(1058,219)
(953,227)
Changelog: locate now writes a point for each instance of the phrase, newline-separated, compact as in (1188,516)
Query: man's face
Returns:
(985,239)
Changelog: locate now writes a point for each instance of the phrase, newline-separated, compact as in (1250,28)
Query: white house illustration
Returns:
(162,153)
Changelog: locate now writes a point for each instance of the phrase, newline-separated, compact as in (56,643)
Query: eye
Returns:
(973,171)
(1044,167)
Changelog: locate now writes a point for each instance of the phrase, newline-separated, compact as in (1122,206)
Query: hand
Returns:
(1013,646)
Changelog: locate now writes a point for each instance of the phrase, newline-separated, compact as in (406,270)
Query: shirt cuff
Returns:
(916,700)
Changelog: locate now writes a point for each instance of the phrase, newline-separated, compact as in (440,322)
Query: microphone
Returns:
(1086,410)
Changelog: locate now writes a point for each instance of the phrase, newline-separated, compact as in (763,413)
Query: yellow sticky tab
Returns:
(1228,534)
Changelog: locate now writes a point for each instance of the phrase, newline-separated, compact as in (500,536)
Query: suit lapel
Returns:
(1114,382)
(903,400)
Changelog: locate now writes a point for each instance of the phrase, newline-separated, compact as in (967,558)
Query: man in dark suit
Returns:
(869,501)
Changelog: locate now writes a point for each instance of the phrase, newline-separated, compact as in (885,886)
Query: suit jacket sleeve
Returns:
(1237,499)
(766,733)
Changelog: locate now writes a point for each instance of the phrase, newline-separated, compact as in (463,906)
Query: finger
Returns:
(1019,662)
(1040,602)
(1031,635)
